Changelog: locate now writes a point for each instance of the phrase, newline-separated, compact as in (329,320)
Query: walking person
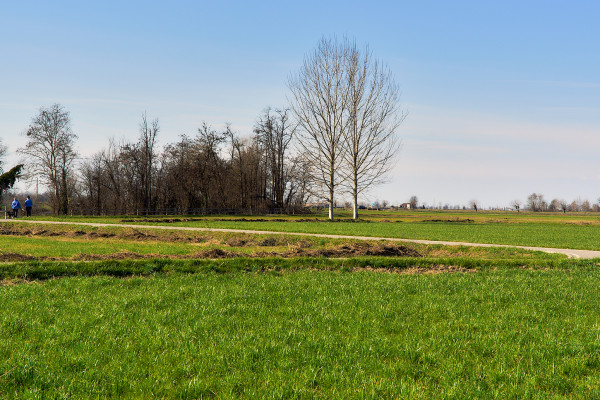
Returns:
(15,207)
(28,205)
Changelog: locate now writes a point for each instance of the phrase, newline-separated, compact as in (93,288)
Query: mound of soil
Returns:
(361,249)
(123,255)
(8,257)
(456,220)
(432,270)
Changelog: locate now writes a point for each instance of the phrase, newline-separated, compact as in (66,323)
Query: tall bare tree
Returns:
(274,132)
(474,204)
(564,206)
(319,102)
(536,202)
(516,204)
(414,202)
(373,114)
(146,143)
(50,152)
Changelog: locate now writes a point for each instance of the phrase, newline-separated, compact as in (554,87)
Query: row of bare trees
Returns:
(537,203)
(338,135)
(347,108)
(214,170)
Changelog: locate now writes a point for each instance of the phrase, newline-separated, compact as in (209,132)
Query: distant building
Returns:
(404,205)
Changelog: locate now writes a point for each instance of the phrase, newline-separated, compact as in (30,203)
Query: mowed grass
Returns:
(307,334)
(573,231)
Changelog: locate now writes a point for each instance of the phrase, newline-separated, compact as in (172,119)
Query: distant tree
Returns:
(474,204)
(574,206)
(50,152)
(516,204)
(554,205)
(536,202)
(586,206)
(564,206)
(414,202)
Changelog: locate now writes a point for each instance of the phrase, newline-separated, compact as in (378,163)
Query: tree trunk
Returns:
(355,205)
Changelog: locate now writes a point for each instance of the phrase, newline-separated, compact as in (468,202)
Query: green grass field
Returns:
(305,334)
(574,231)
(134,313)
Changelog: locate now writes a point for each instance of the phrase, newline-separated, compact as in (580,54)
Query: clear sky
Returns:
(503,97)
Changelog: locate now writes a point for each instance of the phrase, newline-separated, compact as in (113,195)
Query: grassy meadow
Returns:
(109,312)
(570,230)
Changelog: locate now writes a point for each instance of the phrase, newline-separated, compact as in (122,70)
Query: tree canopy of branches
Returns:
(50,153)
(213,171)
(274,133)
(346,106)
(370,144)
(536,202)
(319,101)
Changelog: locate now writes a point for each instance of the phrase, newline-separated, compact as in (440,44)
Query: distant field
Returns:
(575,231)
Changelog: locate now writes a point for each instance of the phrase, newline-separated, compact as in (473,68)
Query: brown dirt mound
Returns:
(364,249)
(8,257)
(456,220)
(217,253)
(433,270)
(348,250)
(123,255)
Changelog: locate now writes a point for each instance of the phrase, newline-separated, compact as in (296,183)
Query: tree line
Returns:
(337,135)
(537,203)
(216,169)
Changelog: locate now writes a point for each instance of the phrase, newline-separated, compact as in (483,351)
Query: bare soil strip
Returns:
(571,253)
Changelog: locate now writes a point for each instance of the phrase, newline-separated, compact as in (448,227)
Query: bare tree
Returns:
(319,101)
(50,152)
(414,202)
(146,143)
(274,132)
(564,206)
(474,204)
(586,206)
(370,144)
(516,204)
(536,202)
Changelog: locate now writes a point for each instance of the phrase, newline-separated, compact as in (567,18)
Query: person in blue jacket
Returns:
(15,207)
(28,205)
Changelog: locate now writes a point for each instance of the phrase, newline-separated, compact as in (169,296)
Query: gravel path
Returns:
(571,253)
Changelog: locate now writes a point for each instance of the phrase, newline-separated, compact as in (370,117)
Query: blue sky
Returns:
(503,98)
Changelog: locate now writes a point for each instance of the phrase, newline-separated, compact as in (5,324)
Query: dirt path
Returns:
(571,253)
